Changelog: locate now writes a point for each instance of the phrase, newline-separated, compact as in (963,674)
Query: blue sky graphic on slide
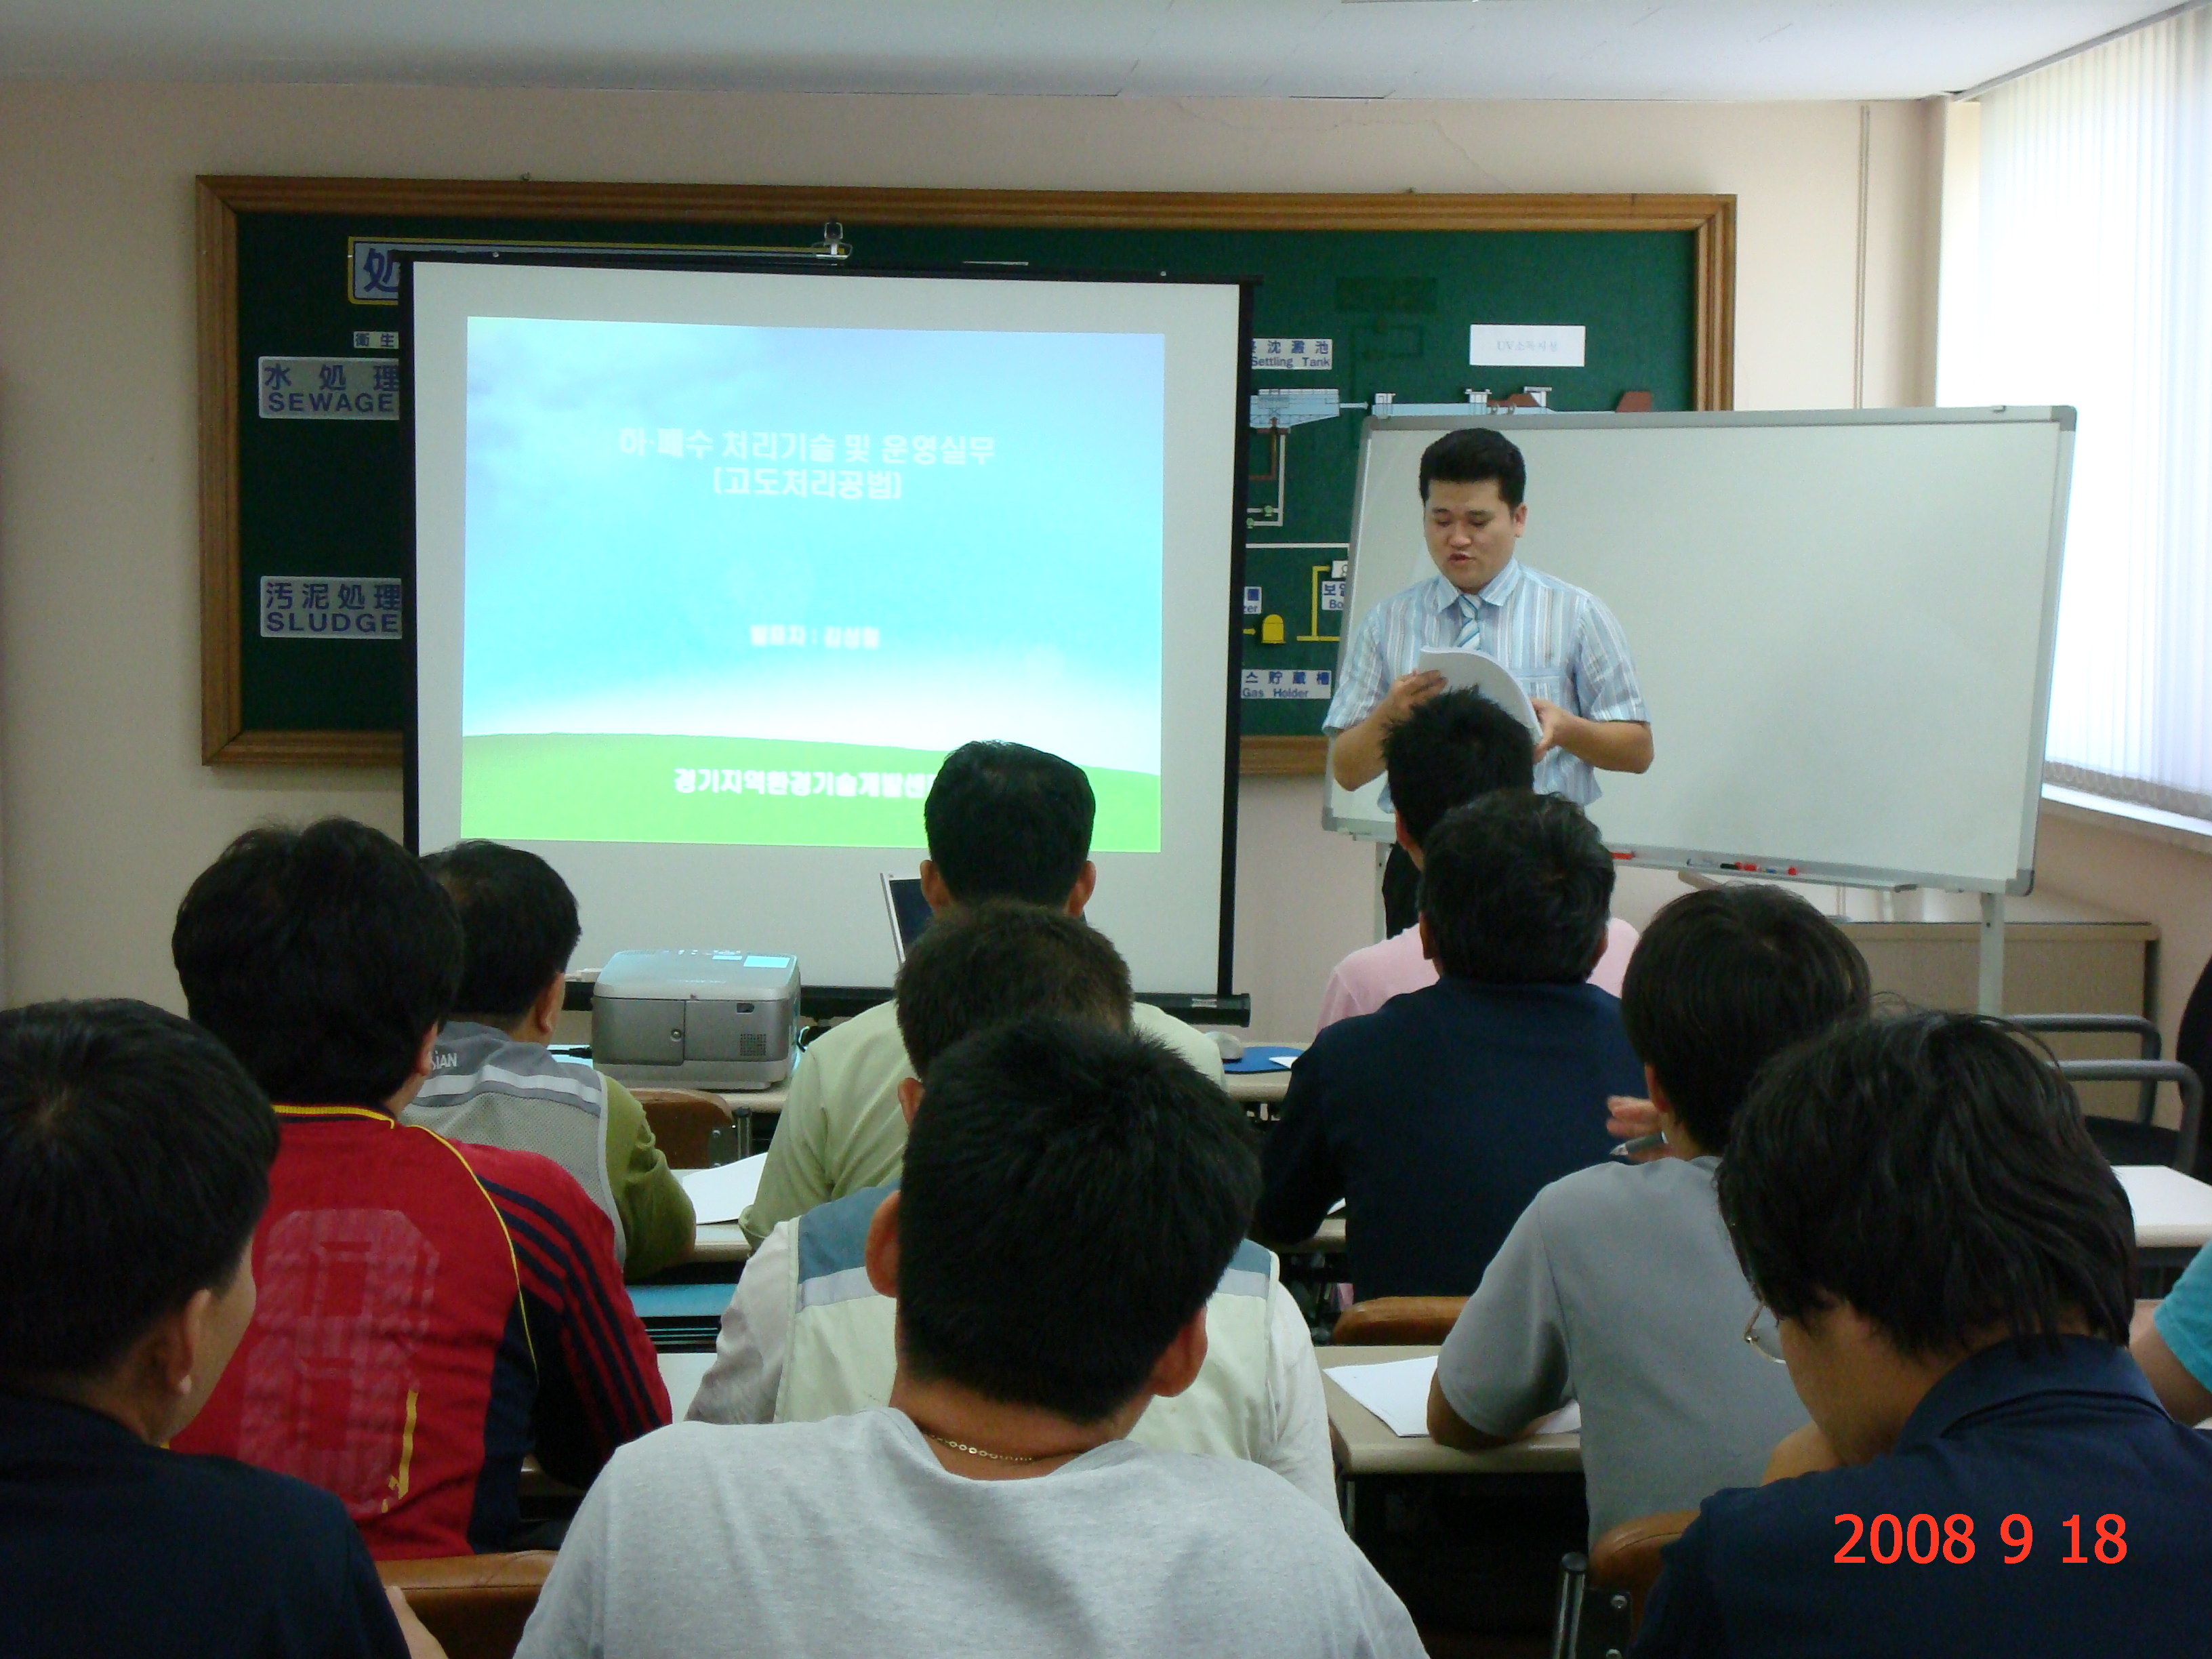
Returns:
(878,536)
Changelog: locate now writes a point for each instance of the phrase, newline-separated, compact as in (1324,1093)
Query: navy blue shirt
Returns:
(1436,1118)
(2037,1433)
(109,1545)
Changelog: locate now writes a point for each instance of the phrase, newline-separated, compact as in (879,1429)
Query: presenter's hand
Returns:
(1553,724)
(1407,692)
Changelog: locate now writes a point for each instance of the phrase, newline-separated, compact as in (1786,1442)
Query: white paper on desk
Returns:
(1397,1391)
(1464,668)
(722,1193)
(1284,1060)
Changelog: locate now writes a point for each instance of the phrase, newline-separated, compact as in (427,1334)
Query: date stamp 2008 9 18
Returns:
(1923,1540)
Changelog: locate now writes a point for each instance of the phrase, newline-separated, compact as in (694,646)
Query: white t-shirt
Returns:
(754,1343)
(847,1537)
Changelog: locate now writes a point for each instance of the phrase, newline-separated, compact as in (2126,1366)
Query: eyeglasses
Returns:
(1763,1333)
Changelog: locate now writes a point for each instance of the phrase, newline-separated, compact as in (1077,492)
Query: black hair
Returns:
(1725,979)
(998,961)
(322,956)
(1006,821)
(1072,1196)
(1469,454)
(519,918)
(1515,888)
(133,1162)
(1451,748)
(1933,1170)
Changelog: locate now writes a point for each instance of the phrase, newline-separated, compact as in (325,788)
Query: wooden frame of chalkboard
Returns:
(226,736)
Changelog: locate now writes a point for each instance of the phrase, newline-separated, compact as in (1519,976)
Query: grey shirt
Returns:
(1618,1287)
(847,1537)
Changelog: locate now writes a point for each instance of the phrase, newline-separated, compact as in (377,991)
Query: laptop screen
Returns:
(908,910)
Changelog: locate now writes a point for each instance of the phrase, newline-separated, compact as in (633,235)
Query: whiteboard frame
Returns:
(1738,861)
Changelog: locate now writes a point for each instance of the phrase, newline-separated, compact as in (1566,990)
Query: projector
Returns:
(695,1019)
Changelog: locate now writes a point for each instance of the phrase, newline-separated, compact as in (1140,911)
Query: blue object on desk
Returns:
(1260,1057)
(659,1301)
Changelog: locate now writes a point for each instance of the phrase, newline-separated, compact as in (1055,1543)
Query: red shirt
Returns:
(428,1313)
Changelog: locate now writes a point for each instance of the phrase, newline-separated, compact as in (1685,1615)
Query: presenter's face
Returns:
(1471,531)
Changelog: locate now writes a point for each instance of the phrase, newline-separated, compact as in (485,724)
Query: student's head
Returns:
(1515,888)
(1451,748)
(1006,821)
(1071,1198)
(1472,511)
(519,920)
(1904,1191)
(1722,981)
(980,964)
(324,957)
(133,1162)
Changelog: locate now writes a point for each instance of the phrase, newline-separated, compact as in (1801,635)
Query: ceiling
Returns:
(1451,49)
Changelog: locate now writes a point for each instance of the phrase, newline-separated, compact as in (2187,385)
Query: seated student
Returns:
(134,1161)
(494,1083)
(2172,1343)
(430,1312)
(1450,749)
(1951,1266)
(1438,1117)
(1072,1197)
(1617,1287)
(805,1337)
(1004,821)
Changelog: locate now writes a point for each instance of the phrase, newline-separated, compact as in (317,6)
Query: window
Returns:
(2077,268)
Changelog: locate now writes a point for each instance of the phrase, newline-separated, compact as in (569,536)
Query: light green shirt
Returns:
(841,1128)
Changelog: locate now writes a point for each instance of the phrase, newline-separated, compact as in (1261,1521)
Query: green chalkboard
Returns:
(291,268)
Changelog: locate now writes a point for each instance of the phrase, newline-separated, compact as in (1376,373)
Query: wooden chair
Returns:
(475,1605)
(1627,1557)
(1601,1596)
(1397,1319)
(681,1120)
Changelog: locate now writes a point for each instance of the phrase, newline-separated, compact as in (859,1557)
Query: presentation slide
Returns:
(808,563)
(714,567)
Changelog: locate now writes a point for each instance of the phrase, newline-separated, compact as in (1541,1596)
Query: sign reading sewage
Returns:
(327,388)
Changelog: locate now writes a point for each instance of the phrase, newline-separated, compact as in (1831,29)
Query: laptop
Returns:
(908,911)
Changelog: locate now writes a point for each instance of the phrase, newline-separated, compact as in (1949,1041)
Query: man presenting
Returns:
(1562,644)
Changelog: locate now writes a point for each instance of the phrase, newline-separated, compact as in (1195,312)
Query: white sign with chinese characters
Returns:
(1525,345)
(1280,351)
(1288,685)
(331,607)
(327,388)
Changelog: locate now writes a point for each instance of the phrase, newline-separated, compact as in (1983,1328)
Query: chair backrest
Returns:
(681,1120)
(475,1605)
(1627,1557)
(2150,1073)
(2135,1026)
(1393,1319)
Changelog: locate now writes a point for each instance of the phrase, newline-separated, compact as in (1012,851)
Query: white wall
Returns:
(105,813)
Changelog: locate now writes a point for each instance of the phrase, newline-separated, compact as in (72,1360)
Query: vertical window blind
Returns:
(2088,281)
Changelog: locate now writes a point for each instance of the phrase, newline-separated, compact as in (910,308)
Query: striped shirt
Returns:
(1560,643)
(429,1313)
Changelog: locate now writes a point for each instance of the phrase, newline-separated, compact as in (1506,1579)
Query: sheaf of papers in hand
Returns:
(1397,1391)
(722,1193)
(1462,667)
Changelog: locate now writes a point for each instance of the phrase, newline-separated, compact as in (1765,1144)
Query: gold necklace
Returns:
(995,1457)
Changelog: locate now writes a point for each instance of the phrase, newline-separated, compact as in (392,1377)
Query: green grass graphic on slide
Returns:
(590,786)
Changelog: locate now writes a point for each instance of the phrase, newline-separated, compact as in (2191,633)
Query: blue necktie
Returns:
(1470,636)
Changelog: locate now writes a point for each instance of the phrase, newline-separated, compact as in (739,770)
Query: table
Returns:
(2173,1221)
(1363,1444)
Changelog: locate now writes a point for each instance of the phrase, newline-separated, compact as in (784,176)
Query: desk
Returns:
(720,1241)
(2173,1221)
(1363,1444)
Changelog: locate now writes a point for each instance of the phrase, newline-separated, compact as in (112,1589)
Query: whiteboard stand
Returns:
(1990,997)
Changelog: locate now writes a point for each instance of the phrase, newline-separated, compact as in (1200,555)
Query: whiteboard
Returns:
(1843,622)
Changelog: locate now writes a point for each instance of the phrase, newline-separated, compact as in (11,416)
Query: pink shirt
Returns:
(1370,976)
